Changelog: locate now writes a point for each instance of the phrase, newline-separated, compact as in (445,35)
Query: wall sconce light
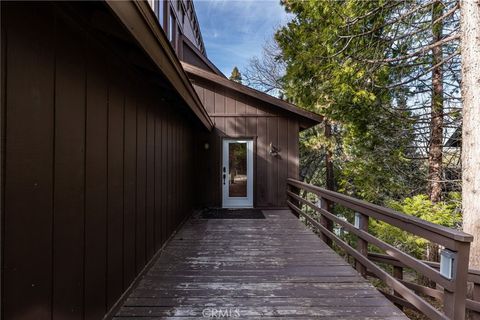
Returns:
(274,151)
(206,146)
(447,259)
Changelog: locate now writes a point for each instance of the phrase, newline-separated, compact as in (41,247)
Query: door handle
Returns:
(224,177)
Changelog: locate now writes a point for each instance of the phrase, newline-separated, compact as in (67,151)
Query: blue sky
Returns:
(235,30)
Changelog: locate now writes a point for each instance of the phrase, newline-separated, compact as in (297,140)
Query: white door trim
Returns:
(237,202)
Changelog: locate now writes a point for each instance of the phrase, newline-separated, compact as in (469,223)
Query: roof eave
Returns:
(202,57)
(142,24)
(309,118)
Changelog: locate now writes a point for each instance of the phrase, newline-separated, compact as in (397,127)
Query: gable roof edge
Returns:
(201,56)
(313,118)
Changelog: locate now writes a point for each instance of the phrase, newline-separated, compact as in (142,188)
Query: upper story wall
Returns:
(178,19)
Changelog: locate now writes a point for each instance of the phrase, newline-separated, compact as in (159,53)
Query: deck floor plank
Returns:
(263,268)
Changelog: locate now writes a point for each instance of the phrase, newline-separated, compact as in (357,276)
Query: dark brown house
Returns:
(266,127)
(269,128)
(109,142)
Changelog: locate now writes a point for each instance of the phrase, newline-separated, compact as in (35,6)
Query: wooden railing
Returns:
(450,291)
(473,279)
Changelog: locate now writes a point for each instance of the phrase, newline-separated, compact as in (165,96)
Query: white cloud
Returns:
(234,30)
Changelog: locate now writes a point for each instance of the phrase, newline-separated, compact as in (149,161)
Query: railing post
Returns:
(455,300)
(362,245)
(297,203)
(327,206)
(398,274)
(476,297)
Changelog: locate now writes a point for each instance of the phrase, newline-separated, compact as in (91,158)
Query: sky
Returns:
(234,31)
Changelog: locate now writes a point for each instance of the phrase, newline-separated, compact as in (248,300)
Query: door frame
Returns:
(245,202)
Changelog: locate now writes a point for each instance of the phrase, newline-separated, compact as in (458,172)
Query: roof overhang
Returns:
(203,58)
(140,21)
(308,119)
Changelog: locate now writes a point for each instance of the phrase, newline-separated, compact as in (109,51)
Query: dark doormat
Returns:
(231,214)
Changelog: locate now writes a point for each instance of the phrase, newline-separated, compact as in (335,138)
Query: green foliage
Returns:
(236,75)
(373,130)
(371,136)
(443,213)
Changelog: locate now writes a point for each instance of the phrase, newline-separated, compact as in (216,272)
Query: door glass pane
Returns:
(237,154)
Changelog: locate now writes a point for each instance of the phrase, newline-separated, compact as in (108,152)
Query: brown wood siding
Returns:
(96,155)
(237,116)
(97,167)
(69,172)
(188,55)
(28,181)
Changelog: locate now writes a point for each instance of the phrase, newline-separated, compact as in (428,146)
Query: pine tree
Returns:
(368,134)
(470,32)
(236,75)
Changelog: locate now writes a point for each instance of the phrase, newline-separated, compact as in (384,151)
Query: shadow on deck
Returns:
(251,268)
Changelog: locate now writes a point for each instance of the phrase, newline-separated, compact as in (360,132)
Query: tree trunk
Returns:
(330,180)
(470,32)
(435,155)
(435,152)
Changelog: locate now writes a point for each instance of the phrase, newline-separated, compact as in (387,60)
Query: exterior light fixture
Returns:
(274,151)
(447,259)
(356,222)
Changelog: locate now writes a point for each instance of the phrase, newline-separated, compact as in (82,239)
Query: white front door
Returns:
(237,173)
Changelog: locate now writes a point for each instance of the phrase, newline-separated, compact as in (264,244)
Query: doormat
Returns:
(231,214)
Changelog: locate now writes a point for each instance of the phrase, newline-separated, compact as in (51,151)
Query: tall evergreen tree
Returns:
(435,151)
(236,75)
(471,128)
(369,137)
(387,72)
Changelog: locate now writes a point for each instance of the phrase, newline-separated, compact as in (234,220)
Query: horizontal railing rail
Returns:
(452,290)
(473,279)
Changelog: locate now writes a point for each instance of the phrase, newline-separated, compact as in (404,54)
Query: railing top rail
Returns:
(394,217)
(473,274)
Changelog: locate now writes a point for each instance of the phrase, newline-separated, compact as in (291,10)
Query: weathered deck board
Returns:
(269,269)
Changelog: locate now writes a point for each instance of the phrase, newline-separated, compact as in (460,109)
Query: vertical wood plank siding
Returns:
(69,174)
(29,158)
(98,168)
(236,116)
(96,181)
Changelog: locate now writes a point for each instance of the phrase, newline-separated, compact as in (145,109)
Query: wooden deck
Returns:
(259,268)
